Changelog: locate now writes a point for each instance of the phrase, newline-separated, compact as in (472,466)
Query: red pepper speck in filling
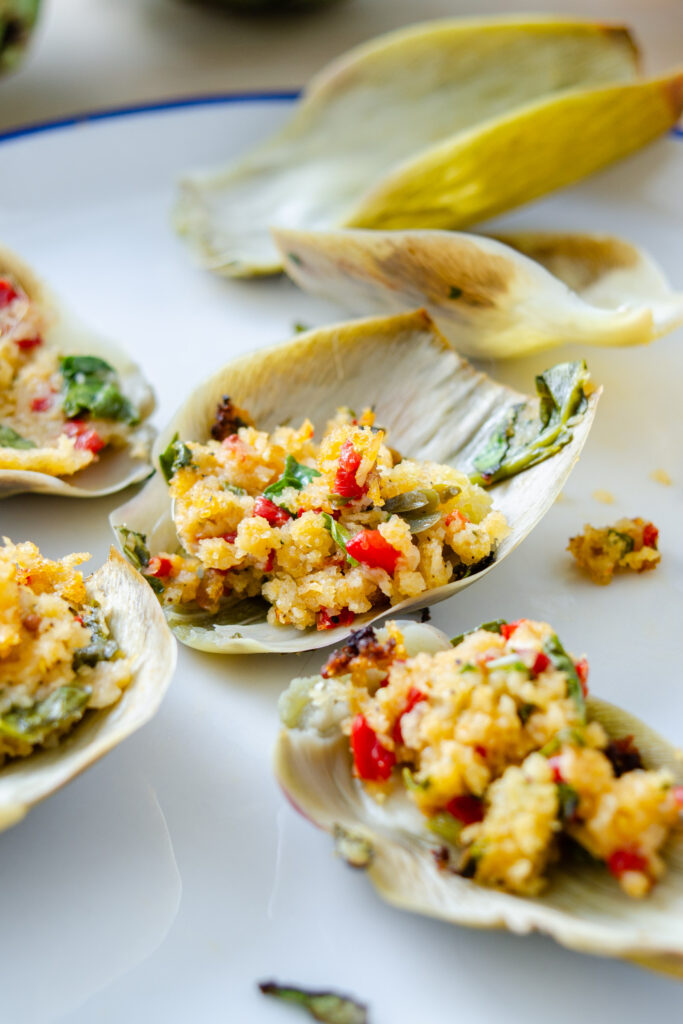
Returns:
(540,664)
(41,404)
(650,535)
(466,809)
(678,795)
(25,344)
(87,438)
(372,761)
(8,293)
(554,765)
(159,567)
(581,667)
(625,860)
(371,548)
(414,697)
(274,514)
(270,561)
(325,620)
(345,483)
(508,628)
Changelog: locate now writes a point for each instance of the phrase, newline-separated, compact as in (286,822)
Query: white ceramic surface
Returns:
(163,883)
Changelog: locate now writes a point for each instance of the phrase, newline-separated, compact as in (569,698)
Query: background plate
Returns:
(171,876)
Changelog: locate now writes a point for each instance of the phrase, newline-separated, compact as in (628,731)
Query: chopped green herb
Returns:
(295,475)
(328,1007)
(568,799)
(562,736)
(521,439)
(102,646)
(91,386)
(174,457)
(624,539)
(561,661)
(340,535)
(10,439)
(411,782)
(295,259)
(454,292)
(490,627)
(34,724)
(234,489)
(418,508)
(446,826)
(525,711)
(134,547)
(299,327)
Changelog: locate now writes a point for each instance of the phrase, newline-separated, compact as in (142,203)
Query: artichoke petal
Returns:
(492,297)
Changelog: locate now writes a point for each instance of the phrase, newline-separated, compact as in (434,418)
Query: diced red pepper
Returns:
(41,404)
(678,795)
(466,809)
(540,664)
(414,697)
(87,438)
(78,619)
(554,765)
(372,761)
(508,628)
(581,667)
(8,293)
(270,561)
(480,750)
(371,548)
(326,621)
(159,567)
(345,483)
(650,535)
(458,516)
(625,860)
(230,537)
(26,344)
(272,513)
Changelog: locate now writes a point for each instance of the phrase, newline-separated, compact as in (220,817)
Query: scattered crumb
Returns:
(660,476)
(628,544)
(606,497)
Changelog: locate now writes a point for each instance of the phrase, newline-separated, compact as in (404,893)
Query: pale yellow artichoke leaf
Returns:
(523,154)
(434,405)
(491,297)
(582,907)
(116,468)
(378,106)
(137,623)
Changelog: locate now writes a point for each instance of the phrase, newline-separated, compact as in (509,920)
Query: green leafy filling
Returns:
(419,508)
(91,385)
(340,535)
(561,661)
(42,719)
(295,475)
(174,457)
(134,546)
(102,646)
(521,439)
(328,1007)
(10,439)
(490,627)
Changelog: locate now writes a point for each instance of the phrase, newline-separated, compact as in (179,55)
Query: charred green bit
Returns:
(10,439)
(102,646)
(295,475)
(454,292)
(328,1007)
(521,439)
(36,723)
(91,386)
(355,849)
(174,457)
(340,535)
(418,508)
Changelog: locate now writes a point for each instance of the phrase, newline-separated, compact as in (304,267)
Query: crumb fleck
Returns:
(606,497)
(660,476)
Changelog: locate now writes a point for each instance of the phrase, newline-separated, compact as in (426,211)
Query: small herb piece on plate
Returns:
(174,457)
(328,1007)
(295,475)
(10,439)
(521,440)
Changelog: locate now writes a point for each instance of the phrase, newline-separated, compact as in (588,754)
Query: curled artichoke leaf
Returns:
(379,108)
(433,403)
(116,468)
(493,297)
(137,624)
(582,907)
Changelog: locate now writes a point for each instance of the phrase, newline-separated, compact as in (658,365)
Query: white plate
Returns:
(166,881)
